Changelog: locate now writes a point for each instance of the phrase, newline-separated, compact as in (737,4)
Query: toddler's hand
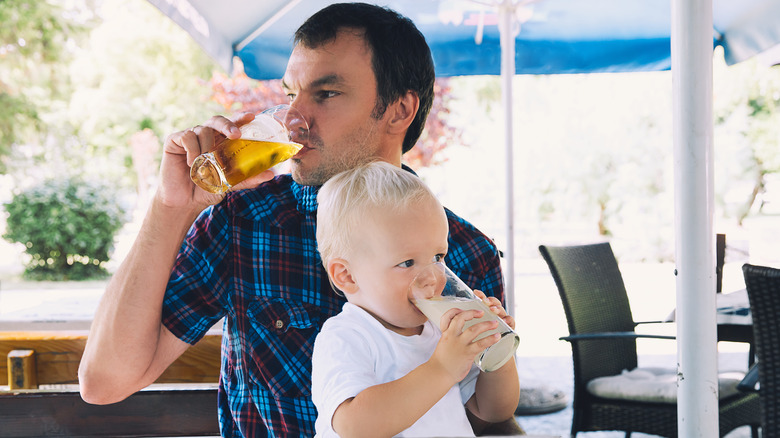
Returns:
(457,347)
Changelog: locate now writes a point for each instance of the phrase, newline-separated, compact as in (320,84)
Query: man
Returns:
(362,76)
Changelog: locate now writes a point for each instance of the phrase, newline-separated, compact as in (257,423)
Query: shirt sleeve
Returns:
(195,296)
(474,257)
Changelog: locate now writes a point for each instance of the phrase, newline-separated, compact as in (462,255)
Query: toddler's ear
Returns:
(338,271)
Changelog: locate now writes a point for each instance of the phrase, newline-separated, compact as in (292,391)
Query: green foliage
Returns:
(137,70)
(16,114)
(747,132)
(37,40)
(33,29)
(67,227)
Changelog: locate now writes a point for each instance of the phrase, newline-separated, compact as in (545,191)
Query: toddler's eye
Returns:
(438,258)
(406,264)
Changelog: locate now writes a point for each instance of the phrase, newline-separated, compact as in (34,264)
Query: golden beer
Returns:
(236,160)
(273,136)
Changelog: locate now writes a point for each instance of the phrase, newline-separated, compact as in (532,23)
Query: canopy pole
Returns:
(289,6)
(697,374)
(506,27)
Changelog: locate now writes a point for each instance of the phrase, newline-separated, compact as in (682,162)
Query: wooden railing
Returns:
(39,391)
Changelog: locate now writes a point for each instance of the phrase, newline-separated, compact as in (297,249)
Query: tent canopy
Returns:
(555,36)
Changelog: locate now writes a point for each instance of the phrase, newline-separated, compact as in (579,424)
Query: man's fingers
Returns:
(228,127)
(241,120)
(203,138)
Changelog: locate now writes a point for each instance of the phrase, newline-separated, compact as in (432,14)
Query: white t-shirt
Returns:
(354,351)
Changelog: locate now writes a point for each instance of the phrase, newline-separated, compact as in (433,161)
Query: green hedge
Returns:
(67,227)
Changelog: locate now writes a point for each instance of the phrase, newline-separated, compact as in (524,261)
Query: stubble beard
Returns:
(331,165)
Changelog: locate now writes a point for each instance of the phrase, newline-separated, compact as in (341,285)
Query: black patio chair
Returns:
(763,288)
(603,341)
(720,261)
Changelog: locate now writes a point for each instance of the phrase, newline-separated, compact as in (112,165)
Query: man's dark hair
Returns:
(401,58)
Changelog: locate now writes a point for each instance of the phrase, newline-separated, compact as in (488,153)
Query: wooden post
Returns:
(21,370)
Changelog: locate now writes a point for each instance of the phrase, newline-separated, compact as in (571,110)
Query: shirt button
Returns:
(279,323)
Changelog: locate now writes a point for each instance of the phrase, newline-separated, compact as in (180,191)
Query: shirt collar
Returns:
(306,197)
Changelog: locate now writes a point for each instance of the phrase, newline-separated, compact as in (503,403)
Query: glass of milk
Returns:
(436,290)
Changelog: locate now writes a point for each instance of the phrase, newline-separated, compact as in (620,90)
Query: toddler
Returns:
(380,368)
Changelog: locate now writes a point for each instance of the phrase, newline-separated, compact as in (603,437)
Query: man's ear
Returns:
(338,271)
(403,112)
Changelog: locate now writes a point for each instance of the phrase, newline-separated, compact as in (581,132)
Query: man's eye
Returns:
(406,264)
(326,94)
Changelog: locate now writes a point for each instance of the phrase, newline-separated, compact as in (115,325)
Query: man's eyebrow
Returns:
(319,82)
(327,80)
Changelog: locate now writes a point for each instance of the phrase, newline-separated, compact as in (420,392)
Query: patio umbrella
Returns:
(553,36)
(510,37)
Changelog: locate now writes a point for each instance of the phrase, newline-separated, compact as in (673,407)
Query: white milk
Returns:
(494,356)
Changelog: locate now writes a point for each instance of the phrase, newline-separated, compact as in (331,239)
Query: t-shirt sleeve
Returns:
(342,367)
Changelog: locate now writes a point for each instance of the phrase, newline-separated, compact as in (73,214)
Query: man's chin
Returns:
(303,176)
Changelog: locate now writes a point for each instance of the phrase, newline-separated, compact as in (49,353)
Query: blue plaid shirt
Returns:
(253,259)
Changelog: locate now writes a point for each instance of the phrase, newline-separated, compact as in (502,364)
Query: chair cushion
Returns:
(658,385)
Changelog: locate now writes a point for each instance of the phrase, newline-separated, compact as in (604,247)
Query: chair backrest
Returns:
(595,301)
(763,288)
(720,261)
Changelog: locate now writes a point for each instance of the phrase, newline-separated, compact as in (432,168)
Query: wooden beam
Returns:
(58,353)
(166,412)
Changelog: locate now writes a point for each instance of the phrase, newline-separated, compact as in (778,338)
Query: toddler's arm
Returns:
(389,408)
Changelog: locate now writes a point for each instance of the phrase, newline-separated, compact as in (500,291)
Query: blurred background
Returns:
(89,89)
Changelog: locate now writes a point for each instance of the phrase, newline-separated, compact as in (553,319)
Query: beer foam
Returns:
(264,128)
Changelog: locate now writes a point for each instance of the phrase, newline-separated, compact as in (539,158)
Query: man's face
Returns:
(334,87)
(393,247)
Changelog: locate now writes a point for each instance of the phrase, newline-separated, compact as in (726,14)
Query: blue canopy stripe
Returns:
(556,36)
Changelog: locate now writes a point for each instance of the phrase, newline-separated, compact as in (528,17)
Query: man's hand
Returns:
(180,150)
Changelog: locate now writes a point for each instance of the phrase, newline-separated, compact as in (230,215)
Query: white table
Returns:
(733,309)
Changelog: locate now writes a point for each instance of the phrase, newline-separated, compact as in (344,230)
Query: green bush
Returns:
(67,227)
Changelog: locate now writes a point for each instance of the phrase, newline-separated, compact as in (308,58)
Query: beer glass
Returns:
(275,135)
(436,289)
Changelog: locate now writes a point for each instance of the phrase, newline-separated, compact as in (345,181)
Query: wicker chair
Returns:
(603,343)
(763,288)
(720,261)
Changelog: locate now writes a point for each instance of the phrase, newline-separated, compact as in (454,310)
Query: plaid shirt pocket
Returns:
(280,345)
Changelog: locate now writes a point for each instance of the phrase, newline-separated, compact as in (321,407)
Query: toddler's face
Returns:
(393,247)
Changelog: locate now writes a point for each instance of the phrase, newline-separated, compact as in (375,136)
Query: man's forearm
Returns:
(127,346)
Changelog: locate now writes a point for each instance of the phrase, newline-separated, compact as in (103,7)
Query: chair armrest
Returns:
(750,380)
(611,335)
(653,322)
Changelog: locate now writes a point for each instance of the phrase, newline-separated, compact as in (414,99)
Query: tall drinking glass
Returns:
(272,137)
(436,289)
